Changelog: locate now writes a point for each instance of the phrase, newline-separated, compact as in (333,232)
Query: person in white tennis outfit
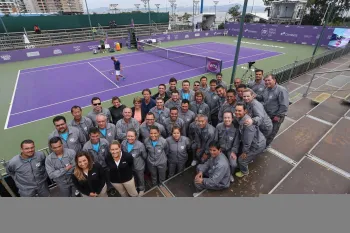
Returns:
(118,68)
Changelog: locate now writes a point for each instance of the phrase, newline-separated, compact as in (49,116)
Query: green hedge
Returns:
(16,24)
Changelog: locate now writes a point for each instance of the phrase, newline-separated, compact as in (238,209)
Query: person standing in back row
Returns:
(118,68)
(276,103)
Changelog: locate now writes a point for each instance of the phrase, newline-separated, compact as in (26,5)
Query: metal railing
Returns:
(291,71)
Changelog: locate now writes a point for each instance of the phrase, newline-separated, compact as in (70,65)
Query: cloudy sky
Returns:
(130,3)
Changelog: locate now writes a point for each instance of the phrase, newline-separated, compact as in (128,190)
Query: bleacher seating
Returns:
(15,40)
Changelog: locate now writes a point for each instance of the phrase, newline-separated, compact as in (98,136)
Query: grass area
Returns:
(39,130)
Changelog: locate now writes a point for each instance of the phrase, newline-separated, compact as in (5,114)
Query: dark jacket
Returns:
(117,113)
(122,173)
(143,114)
(94,183)
(166,97)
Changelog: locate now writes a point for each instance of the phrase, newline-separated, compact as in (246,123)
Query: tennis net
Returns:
(208,64)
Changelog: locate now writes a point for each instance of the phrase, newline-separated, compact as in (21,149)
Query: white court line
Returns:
(115,89)
(11,104)
(248,47)
(33,109)
(103,75)
(90,60)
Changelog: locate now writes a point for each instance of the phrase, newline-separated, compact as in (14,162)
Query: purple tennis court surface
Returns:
(47,91)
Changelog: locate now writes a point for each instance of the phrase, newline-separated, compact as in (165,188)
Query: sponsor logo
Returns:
(6,57)
(72,140)
(235,30)
(315,28)
(57,51)
(168,37)
(303,43)
(76,48)
(250,31)
(207,34)
(37,165)
(176,37)
(197,34)
(109,134)
(133,155)
(103,150)
(182,147)
(308,36)
(264,32)
(161,38)
(187,36)
(91,47)
(33,54)
(289,34)
(29,47)
(214,66)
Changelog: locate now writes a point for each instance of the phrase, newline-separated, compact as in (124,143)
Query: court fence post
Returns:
(291,72)
(308,87)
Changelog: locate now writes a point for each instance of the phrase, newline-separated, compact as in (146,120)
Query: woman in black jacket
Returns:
(120,170)
(117,109)
(88,177)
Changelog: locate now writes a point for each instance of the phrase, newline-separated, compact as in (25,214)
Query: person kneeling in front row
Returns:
(215,173)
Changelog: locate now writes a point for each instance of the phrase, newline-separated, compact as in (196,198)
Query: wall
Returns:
(283,33)
(16,24)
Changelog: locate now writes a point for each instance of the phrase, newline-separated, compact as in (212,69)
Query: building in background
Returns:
(286,11)
(42,6)
(8,6)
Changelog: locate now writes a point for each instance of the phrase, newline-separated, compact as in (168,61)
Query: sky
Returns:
(130,3)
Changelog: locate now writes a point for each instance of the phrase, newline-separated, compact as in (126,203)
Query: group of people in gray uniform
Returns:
(218,130)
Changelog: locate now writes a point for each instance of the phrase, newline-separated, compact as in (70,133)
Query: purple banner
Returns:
(294,34)
(33,53)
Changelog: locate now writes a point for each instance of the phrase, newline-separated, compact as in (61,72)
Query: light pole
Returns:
(137,7)
(157,5)
(196,2)
(146,2)
(87,10)
(172,4)
(215,3)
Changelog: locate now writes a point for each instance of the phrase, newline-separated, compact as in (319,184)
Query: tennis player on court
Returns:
(118,68)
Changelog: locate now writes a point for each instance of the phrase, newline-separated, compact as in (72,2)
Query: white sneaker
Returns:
(141,193)
(194,163)
(232,179)
(195,194)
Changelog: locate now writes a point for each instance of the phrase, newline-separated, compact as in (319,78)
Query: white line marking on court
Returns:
(78,62)
(194,46)
(103,75)
(115,89)
(12,98)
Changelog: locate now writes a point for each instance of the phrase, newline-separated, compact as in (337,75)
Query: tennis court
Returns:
(46,91)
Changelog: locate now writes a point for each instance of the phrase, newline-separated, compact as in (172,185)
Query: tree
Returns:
(234,11)
(317,9)
(186,16)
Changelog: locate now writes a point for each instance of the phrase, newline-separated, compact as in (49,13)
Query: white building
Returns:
(286,11)
(8,6)
(42,6)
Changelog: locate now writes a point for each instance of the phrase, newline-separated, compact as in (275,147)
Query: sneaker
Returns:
(123,78)
(141,193)
(232,179)
(240,174)
(196,194)
(194,163)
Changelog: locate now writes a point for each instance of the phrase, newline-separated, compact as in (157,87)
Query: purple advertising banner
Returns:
(294,34)
(34,53)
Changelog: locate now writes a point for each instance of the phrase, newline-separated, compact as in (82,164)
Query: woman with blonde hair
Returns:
(89,177)
(120,170)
